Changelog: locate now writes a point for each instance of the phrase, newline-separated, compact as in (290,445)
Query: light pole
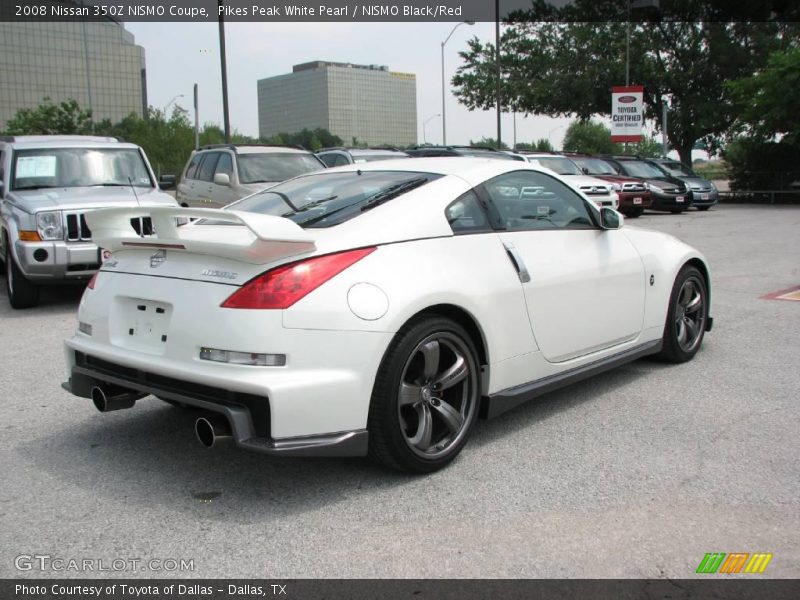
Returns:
(424,135)
(444,132)
(170,104)
(549,133)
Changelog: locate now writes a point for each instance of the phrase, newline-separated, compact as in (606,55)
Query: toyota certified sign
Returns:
(627,114)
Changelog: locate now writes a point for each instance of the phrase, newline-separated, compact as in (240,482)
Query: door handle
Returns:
(517,261)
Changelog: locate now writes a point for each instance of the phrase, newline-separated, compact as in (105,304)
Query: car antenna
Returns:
(133,189)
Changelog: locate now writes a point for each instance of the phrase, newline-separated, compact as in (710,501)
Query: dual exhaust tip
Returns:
(210,429)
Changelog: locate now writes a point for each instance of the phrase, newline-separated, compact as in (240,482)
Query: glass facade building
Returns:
(96,63)
(367,102)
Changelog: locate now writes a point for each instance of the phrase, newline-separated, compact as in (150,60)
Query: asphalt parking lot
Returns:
(635,473)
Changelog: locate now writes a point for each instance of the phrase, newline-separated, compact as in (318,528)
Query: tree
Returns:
(589,137)
(51,119)
(767,101)
(487,142)
(567,68)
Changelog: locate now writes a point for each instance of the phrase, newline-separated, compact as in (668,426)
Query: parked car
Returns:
(48,184)
(336,157)
(602,193)
(633,193)
(219,174)
(379,308)
(704,192)
(667,192)
(473,151)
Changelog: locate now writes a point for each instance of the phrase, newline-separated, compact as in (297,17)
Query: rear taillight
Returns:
(283,286)
(92,281)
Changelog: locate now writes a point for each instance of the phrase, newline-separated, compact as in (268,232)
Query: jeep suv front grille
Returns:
(78,231)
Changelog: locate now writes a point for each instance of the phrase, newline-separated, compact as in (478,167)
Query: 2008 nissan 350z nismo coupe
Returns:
(378,309)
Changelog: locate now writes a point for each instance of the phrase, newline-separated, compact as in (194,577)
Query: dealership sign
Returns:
(627,113)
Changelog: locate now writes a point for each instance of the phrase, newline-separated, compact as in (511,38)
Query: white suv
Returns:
(220,174)
(602,193)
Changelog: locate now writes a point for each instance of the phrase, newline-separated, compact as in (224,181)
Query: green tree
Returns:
(589,137)
(51,119)
(488,142)
(767,101)
(567,68)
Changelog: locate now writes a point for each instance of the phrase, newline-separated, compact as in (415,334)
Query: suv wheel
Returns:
(21,292)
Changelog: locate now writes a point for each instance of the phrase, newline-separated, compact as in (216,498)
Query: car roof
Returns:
(255,149)
(64,141)
(469,168)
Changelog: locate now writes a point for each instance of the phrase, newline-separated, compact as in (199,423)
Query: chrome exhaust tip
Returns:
(212,429)
(113,398)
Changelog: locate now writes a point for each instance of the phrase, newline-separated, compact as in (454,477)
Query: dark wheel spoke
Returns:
(422,438)
(409,394)
(458,372)
(453,419)
(692,329)
(695,304)
(681,331)
(430,352)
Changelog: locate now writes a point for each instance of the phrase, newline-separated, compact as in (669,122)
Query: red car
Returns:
(634,194)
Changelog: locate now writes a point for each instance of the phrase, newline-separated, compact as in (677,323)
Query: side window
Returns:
(206,170)
(466,214)
(329,159)
(340,160)
(191,171)
(224,164)
(527,200)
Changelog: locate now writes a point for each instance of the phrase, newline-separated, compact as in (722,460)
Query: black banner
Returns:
(399,10)
(732,588)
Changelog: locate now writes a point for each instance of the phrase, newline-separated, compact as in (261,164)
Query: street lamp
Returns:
(170,104)
(424,135)
(444,132)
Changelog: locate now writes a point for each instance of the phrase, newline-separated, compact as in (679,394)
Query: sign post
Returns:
(627,113)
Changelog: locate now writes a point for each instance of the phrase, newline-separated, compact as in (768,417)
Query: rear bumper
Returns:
(627,200)
(247,414)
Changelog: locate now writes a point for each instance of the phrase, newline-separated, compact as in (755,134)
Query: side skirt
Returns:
(498,403)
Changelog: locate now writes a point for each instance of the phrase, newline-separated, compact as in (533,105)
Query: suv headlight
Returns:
(49,225)
(614,187)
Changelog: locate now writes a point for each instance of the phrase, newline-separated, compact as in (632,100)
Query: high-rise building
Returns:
(96,63)
(366,102)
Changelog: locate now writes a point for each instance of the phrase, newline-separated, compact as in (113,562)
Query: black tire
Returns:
(684,329)
(426,396)
(21,292)
(676,211)
(703,208)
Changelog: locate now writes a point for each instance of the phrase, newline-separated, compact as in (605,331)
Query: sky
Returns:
(179,55)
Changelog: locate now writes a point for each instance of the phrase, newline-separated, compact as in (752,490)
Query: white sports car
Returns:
(378,309)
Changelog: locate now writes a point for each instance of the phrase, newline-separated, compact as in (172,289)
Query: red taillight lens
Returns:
(283,286)
(92,281)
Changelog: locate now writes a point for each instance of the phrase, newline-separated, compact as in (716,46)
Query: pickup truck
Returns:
(47,185)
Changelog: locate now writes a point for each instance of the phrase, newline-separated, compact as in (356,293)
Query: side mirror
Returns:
(166,182)
(222,179)
(610,219)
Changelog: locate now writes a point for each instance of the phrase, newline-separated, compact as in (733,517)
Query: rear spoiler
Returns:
(270,238)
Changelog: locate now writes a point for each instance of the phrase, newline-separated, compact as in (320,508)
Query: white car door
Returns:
(584,286)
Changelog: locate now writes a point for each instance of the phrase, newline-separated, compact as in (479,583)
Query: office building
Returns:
(366,102)
(96,63)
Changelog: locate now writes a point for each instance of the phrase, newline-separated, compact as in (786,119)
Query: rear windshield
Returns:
(327,199)
(261,168)
(79,167)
